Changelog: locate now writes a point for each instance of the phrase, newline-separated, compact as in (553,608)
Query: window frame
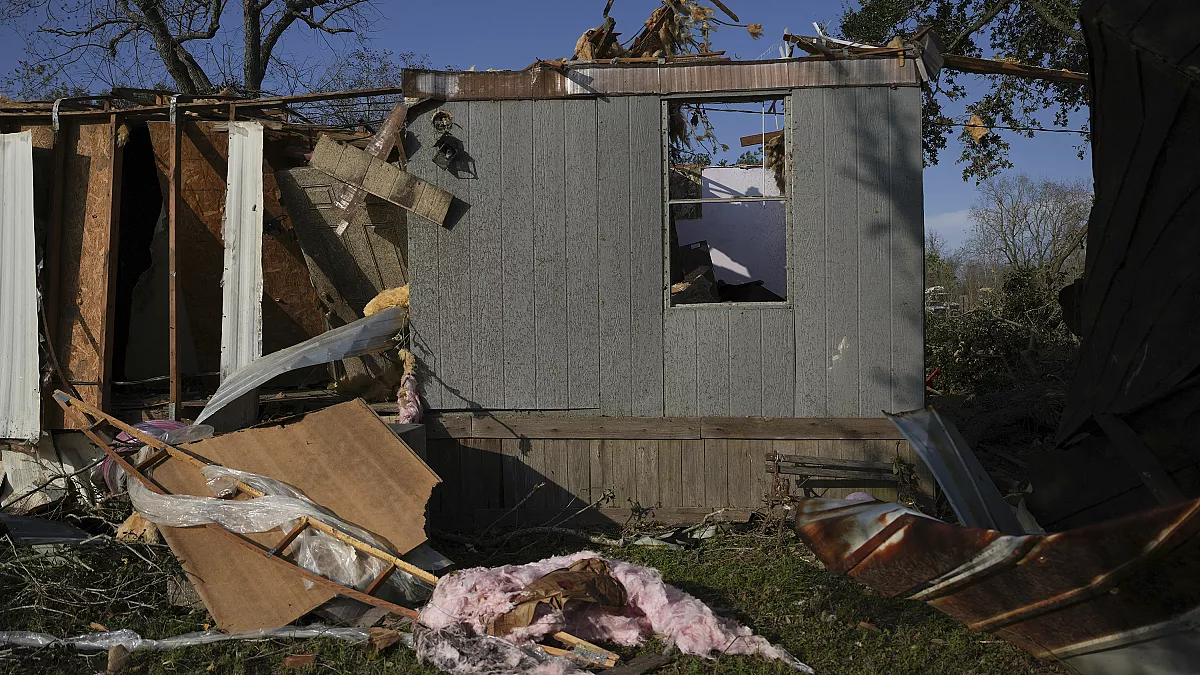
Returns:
(757,96)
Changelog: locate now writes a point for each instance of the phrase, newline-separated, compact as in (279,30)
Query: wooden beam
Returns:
(520,425)
(970,64)
(104,377)
(1139,456)
(54,234)
(175,394)
(757,139)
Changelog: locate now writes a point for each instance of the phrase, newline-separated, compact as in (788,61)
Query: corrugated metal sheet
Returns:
(598,79)
(242,283)
(1079,596)
(19,391)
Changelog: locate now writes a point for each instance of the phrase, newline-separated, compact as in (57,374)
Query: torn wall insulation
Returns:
(344,458)
(368,335)
(242,281)
(20,411)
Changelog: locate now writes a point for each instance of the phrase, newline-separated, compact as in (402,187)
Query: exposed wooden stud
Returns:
(1139,456)
(174,196)
(104,377)
(380,580)
(290,537)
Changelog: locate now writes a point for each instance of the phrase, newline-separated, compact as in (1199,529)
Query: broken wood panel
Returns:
(20,392)
(517,206)
(745,362)
(387,235)
(778,362)
(487,257)
(350,165)
(807,259)
(712,361)
(842,344)
(583,322)
(670,473)
(647,277)
(616,358)
(692,459)
(680,363)
(454,270)
(425,328)
(550,254)
(874,211)
(907,253)
(87,269)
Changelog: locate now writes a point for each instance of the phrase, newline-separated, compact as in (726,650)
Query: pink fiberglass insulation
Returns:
(473,597)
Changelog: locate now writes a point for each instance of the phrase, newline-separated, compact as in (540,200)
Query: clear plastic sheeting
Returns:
(367,335)
(455,650)
(281,507)
(130,640)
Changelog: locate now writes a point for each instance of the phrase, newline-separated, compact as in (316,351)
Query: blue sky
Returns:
(490,34)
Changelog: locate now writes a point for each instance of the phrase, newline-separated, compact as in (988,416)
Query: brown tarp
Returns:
(344,458)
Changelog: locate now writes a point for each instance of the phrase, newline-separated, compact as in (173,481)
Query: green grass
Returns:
(777,588)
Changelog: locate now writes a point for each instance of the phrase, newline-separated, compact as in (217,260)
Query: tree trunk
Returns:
(253,68)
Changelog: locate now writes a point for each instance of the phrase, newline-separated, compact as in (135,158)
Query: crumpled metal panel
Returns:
(608,79)
(20,409)
(1067,595)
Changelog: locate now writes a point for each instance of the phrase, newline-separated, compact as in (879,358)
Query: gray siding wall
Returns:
(547,291)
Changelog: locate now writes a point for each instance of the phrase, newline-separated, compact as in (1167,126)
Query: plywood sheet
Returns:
(344,458)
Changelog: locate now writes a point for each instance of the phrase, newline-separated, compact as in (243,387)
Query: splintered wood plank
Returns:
(716,473)
(614,254)
(550,251)
(487,257)
(647,277)
(583,301)
(693,470)
(647,457)
(807,259)
(518,289)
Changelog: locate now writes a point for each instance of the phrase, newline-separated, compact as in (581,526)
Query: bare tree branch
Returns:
(1054,21)
(214,24)
(980,22)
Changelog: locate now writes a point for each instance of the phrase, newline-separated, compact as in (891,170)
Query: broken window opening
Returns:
(727,201)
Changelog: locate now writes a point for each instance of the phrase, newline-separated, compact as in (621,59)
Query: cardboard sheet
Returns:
(343,458)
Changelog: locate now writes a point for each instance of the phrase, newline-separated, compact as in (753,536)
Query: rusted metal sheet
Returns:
(1075,596)
(605,79)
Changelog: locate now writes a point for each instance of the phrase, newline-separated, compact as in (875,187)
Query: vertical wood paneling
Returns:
(424,320)
(842,267)
(712,360)
(549,271)
(874,252)
(487,257)
(582,191)
(624,463)
(533,457)
(693,468)
(513,471)
(716,472)
(602,467)
(451,475)
(778,362)
(471,474)
(647,277)
(579,466)
(612,121)
(806,276)
(739,471)
(555,471)
(908,252)
(455,289)
(680,359)
(646,460)
(670,473)
(745,363)
(491,471)
(516,190)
